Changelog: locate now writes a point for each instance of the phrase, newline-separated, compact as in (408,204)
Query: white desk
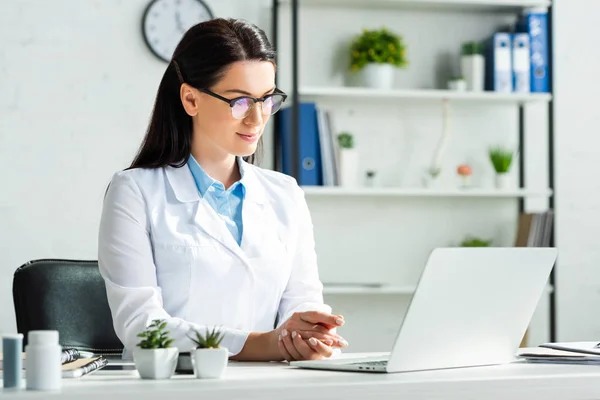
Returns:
(277,381)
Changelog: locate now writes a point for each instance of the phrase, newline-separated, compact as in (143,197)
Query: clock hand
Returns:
(178,21)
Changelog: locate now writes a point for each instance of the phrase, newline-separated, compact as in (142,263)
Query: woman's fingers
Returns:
(318,317)
(330,339)
(284,353)
(303,348)
(295,324)
(289,345)
(319,347)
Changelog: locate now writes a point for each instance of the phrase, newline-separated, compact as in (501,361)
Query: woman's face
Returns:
(217,133)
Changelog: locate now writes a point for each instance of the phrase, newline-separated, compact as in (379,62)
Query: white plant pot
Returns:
(503,181)
(473,71)
(348,167)
(458,85)
(210,363)
(378,76)
(156,363)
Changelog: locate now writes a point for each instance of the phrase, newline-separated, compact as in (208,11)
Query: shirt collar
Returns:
(204,181)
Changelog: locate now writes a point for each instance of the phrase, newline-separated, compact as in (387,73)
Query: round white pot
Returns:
(348,167)
(458,85)
(473,70)
(378,76)
(503,181)
(156,363)
(210,363)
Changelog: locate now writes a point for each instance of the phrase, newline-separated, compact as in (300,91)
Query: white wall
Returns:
(76,90)
(577,119)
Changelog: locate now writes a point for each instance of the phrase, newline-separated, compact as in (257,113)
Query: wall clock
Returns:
(165,22)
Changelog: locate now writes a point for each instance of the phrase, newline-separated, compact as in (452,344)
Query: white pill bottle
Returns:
(43,365)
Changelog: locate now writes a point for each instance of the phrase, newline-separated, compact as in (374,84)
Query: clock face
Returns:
(165,22)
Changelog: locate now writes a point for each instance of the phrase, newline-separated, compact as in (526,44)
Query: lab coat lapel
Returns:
(207,219)
(210,222)
(256,219)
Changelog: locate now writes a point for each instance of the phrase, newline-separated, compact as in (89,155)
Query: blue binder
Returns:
(309,148)
(535,23)
(498,63)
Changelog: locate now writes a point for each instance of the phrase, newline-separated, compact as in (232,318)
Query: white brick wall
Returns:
(76,89)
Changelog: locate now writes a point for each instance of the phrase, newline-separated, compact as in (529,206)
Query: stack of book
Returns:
(535,229)
(74,363)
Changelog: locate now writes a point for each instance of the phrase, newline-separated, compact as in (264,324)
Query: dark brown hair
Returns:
(200,60)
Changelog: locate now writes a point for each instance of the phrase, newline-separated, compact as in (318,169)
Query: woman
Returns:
(193,233)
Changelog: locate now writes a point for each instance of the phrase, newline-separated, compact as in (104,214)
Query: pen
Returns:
(69,355)
(85,369)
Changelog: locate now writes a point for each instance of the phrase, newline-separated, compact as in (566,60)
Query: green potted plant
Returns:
(154,357)
(376,53)
(348,157)
(472,65)
(501,159)
(472,241)
(209,359)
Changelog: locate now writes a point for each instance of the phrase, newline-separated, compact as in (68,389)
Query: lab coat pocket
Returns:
(173,274)
(271,271)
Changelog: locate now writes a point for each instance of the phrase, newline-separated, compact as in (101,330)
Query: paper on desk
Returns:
(577,347)
(548,355)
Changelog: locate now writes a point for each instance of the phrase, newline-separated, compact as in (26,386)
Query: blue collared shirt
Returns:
(227,203)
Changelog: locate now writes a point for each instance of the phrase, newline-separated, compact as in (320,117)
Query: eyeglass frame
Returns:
(254,99)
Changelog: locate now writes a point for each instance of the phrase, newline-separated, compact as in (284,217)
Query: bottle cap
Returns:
(14,336)
(42,337)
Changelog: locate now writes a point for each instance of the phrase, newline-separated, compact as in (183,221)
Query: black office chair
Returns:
(68,296)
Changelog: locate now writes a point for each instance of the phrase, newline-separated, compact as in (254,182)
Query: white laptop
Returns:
(471,307)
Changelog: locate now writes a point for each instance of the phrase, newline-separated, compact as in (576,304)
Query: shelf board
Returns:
(360,93)
(400,290)
(327,191)
(457,5)
(359,289)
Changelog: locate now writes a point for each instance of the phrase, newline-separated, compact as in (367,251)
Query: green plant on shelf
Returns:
(471,48)
(155,336)
(501,159)
(379,46)
(472,241)
(345,140)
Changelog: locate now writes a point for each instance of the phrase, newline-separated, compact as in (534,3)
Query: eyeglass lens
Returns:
(242,107)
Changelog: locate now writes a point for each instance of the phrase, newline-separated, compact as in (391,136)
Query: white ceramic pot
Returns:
(156,363)
(348,167)
(473,70)
(378,76)
(210,363)
(458,85)
(503,181)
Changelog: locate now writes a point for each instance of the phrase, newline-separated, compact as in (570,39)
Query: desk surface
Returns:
(281,382)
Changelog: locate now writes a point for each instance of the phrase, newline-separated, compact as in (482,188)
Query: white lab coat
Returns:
(165,253)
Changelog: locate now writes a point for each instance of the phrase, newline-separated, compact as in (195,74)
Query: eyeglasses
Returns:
(243,105)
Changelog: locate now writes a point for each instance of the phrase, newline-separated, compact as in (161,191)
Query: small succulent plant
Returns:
(155,336)
(210,340)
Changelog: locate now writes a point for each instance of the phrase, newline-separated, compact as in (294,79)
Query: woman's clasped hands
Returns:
(310,335)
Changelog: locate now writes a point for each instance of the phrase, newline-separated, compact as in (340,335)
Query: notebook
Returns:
(74,365)
(555,356)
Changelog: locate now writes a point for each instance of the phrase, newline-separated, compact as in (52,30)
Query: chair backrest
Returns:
(68,296)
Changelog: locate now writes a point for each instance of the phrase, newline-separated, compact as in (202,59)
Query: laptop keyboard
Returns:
(381,363)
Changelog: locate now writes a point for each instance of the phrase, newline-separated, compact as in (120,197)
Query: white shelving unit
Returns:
(419,192)
(367,236)
(470,5)
(367,290)
(359,93)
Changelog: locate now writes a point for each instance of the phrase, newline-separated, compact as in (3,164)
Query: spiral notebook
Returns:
(74,365)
